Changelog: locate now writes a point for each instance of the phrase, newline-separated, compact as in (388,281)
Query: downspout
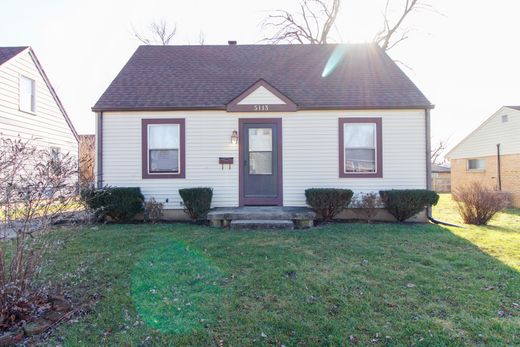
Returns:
(499,178)
(428,157)
(100,150)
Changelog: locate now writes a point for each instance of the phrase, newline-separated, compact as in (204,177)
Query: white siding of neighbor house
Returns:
(310,153)
(47,124)
(261,95)
(482,142)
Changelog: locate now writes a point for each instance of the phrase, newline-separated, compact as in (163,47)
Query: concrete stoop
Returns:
(262,217)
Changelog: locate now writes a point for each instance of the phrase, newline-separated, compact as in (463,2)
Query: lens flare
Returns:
(335,58)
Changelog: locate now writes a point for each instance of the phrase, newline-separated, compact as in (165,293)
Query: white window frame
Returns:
(178,150)
(33,95)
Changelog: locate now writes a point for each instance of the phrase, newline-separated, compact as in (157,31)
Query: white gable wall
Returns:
(47,125)
(261,95)
(482,142)
(310,153)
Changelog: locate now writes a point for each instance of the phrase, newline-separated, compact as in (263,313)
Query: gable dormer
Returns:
(261,97)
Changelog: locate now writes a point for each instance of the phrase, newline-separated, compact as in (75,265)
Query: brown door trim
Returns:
(242,200)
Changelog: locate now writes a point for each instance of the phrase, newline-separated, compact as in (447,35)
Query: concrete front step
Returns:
(262,224)
(301,217)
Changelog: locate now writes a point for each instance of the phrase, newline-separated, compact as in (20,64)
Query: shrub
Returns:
(478,204)
(153,211)
(197,201)
(120,204)
(328,202)
(406,203)
(368,203)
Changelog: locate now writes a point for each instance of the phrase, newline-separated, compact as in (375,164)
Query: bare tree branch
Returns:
(311,25)
(438,152)
(386,37)
(159,33)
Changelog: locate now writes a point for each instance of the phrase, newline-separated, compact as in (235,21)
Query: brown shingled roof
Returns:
(209,77)
(7,53)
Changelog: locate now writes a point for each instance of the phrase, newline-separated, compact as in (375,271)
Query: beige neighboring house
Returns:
(29,106)
(441,178)
(491,154)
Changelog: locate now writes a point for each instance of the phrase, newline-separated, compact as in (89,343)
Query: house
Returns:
(441,178)
(261,123)
(491,154)
(29,105)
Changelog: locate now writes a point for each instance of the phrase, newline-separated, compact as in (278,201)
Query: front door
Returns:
(260,162)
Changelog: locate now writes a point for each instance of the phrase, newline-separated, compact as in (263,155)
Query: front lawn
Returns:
(381,284)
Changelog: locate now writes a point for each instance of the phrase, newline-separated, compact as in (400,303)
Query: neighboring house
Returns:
(29,106)
(441,178)
(262,123)
(491,154)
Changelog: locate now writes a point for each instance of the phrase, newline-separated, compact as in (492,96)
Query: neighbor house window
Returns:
(505,118)
(360,142)
(27,94)
(163,148)
(55,154)
(476,164)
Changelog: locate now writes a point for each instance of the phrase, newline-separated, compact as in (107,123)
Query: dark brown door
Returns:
(260,160)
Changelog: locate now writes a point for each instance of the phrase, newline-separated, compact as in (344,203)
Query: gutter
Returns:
(499,177)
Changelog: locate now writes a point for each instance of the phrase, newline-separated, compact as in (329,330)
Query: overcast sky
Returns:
(466,59)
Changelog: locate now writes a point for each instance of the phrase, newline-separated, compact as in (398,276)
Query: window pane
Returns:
(360,160)
(476,164)
(359,135)
(260,139)
(260,163)
(163,136)
(26,94)
(164,160)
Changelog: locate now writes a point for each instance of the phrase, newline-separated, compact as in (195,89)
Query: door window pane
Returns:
(360,147)
(260,151)
(260,163)
(260,139)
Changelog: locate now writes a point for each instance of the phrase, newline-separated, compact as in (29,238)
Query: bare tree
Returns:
(312,24)
(160,33)
(87,159)
(438,151)
(394,31)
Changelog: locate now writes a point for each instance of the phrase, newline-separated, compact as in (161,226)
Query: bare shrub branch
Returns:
(478,204)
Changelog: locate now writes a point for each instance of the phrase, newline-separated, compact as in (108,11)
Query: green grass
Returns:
(382,284)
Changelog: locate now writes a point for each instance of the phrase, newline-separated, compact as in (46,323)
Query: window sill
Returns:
(476,170)
(28,112)
(163,176)
(361,175)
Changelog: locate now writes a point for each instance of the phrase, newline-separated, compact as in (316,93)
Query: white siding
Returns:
(482,142)
(310,153)
(261,95)
(47,124)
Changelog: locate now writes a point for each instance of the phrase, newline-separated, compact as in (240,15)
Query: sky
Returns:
(464,55)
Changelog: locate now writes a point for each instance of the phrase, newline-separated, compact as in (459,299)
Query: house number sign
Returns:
(259,108)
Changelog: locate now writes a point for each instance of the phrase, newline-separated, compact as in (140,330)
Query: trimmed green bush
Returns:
(406,203)
(328,202)
(120,204)
(197,201)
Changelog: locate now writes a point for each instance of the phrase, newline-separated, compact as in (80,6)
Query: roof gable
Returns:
(261,97)
(209,76)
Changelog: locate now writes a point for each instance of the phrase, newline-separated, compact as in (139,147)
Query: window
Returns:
(360,142)
(505,118)
(55,154)
(476,164)
(260,151)
(27,94)
(163,148)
